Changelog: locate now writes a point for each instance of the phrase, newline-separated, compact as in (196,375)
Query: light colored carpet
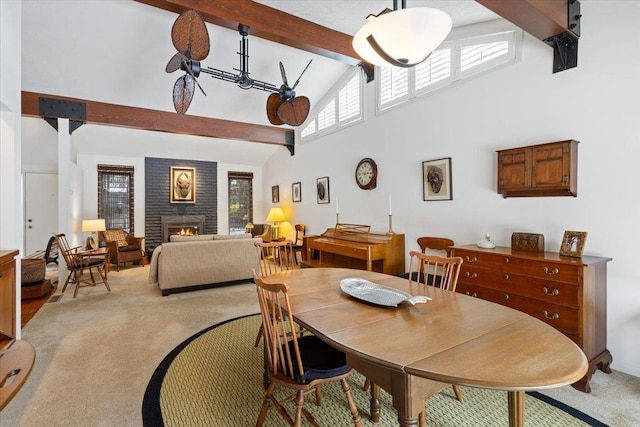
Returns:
(95,354)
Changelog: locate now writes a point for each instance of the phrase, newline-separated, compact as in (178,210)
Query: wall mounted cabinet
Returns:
(539,170)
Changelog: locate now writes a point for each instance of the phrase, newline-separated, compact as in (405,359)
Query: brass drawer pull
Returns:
(553,293)
(506,259)
(471,275)
(472,295)
(552,272)
(506,296)
(471,258)
(506,276)
(1,275)
(555,316)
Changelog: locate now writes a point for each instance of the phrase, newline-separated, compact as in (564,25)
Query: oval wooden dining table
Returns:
(414,351)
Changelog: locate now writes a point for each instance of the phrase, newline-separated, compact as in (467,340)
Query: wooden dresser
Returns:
(569,294)
(16,356)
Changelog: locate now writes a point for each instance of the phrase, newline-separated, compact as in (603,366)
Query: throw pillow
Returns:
(117,235)
(235,236)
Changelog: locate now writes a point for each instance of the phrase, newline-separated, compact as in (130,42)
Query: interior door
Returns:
(41,210)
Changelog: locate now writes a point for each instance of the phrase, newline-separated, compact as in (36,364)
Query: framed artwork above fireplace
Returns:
(183,185)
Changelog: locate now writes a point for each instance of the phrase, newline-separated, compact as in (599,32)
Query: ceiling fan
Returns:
(191,39)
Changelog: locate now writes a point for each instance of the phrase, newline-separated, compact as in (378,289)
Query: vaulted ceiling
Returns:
(115,52)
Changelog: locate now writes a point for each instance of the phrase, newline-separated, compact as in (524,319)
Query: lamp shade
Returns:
(93,225)
(402,38)
(276,215)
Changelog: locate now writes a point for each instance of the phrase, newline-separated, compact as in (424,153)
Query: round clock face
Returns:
(366,174)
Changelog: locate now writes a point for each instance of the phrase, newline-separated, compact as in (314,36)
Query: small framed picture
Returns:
(436,180)
(183,185)
(296,192)
(573,243)
(275,194)
(322,190)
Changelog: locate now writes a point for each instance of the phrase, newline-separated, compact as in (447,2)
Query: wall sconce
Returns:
(402,38)
(276,215)
(93,225)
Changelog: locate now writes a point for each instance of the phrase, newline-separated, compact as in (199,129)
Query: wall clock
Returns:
(367,174)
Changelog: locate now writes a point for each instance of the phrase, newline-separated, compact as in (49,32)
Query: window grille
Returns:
(240,201)
(115,196)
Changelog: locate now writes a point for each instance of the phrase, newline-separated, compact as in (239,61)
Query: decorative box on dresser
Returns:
(568,293)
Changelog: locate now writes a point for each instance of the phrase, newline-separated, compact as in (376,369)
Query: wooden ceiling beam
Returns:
(162,121)
(542,19)
(270,24)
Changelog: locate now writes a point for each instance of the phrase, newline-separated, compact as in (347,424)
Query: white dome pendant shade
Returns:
(402,38)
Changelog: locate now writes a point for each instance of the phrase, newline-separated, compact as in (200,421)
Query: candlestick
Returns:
(389,204)
(337,218)
(390,227)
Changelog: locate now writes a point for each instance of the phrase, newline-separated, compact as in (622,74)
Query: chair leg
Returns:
(104,278)
(367,384)
(458,393)
(260,333)
(299,402)
(64,288)
(422,419)
(357,421)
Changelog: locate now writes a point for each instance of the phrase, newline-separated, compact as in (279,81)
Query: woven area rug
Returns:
(215,378)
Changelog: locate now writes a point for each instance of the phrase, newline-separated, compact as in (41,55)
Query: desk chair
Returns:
(77,263)
(301,364)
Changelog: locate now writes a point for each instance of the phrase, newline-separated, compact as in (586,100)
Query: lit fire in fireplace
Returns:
(186,232)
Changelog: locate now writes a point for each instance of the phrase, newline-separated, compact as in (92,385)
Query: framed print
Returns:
(573,243)
(183,185)
(275,194)
(322,190)
(436,180)
(296,192)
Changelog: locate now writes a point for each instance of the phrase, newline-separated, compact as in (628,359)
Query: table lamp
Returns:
(93,225)
(249,228)
(276,215)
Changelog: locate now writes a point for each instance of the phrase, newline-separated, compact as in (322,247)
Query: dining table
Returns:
(413,351)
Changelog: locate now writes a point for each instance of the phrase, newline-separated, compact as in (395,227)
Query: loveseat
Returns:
(195,262)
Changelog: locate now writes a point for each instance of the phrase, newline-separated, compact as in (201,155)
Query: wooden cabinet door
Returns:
(551,164)
(7,296)
(513,170)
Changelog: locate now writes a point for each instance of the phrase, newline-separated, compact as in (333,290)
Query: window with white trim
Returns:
(454,60)
(342,106)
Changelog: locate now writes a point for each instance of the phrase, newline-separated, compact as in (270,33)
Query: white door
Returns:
(40,210)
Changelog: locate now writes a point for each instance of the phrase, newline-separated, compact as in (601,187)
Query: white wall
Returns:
(10,135)
(523,104)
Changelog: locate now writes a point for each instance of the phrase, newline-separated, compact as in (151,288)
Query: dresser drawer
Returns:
(543,269)
(540,289)
(565,319)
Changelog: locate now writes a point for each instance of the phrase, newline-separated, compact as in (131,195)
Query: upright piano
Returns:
(355,246)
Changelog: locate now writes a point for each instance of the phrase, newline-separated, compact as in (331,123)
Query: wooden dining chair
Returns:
(441,272)
(300,364)
(435,244)
(298,245)
(78,263)
(273,257)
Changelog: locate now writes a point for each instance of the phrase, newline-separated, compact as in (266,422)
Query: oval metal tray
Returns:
(378,294)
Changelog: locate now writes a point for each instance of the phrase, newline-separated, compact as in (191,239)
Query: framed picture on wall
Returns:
(183,185)
(573,243)
(296,192)
(275,194)
(436,179)
(322,190)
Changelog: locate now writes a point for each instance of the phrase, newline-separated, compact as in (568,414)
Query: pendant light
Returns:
(401,38)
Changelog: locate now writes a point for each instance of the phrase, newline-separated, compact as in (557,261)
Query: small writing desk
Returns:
(413,352)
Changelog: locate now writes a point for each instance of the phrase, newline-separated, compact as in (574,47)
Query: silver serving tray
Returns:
(377,294)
